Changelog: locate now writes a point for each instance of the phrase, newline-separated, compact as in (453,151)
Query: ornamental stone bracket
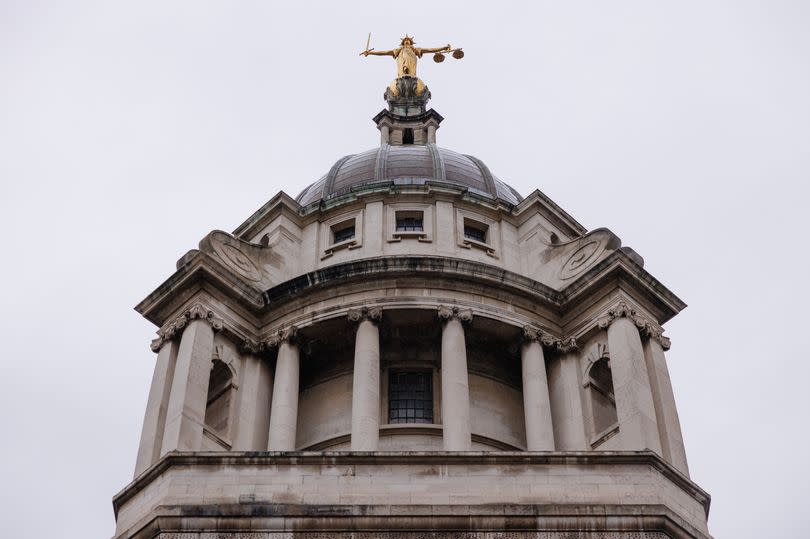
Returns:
(372,314)
(550,341)
(447,313)
(175,328)
(646,327)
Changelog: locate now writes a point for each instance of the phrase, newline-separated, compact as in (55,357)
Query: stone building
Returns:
(410,348)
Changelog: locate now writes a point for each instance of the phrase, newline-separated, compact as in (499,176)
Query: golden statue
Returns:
(407,55)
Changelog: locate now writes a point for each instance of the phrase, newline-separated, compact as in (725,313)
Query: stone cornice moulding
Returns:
(388,458)
(372,314)
(174,329)
(446,313)
(646,327)
(550,341)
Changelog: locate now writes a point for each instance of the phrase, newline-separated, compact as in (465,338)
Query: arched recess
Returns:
(220,400)
(599,395)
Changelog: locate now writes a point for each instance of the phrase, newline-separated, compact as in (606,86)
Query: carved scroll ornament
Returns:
(373,314)
(446,313)
(646,327)
(284,334)
(175,327)
(549,340)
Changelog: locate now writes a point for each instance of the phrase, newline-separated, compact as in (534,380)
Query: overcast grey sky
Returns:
(128,130)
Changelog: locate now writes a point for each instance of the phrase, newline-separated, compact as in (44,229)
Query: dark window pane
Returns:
(409,224)
(475,234)
(344,234)
(410,397)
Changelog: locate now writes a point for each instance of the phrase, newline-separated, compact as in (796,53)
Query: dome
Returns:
(408,164)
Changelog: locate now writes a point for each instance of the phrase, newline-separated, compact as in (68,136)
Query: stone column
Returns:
(455,383)
(284,410)
(384,134)
(154,420)
(185,413)
(366,383)
(255,394)
(565,392)
(638,428)
(669,426)
(536,404)
(431,134)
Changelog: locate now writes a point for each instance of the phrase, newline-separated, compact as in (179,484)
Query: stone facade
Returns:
(411,349)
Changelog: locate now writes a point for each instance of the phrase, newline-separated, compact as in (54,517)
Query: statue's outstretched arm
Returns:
(420,51)
(378,53)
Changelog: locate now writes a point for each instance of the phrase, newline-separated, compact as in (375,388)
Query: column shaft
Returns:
(185,414)
(565,393)
(536,405)
(455,388)
(284,410)
(255,393)
(669,426)
(366,388)
(154,421)
(638,428)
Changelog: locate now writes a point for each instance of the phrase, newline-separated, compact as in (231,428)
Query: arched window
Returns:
(218,404)
(603,403)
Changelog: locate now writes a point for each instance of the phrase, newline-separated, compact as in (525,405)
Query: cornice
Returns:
(201,267)
(552,211)
(273,207)
(390,458)
(622,266)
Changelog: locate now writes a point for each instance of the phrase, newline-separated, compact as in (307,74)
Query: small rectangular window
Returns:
(475,231)
(343,231)
(407,136)
(409,221)
(410,397)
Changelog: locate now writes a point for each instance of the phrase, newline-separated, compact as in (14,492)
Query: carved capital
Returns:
(175,328)
(373,314)
(250,346)
(446,313)
(549,340)
(646,327)
(286,334)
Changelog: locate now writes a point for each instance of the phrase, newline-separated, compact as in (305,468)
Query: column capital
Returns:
(372,314)
(646,327)
(174,328)
(252,347)
(531,333)
(447,312)
(286,334)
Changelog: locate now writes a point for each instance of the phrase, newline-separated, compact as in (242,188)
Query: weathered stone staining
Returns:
(410,349)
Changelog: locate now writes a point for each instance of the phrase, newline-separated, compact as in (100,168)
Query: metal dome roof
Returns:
(408,164)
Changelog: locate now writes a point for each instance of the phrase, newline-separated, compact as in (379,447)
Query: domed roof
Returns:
(408,164)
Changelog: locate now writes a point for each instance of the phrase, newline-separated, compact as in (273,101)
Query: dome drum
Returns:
(411,345)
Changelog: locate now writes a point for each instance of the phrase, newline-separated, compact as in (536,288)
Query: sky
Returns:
(129,130)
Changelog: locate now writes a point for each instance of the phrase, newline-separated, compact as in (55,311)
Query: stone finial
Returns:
(372,314)
(284,334)
(174,328)
(549,340)
(646,327)
(446,313)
